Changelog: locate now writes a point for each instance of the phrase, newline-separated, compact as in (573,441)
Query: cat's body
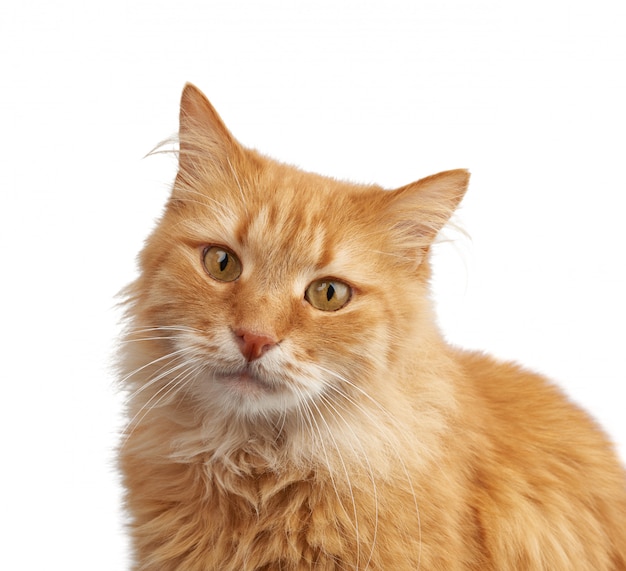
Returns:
(294,406)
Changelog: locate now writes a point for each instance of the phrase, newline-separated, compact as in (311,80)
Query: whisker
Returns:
(347,475)
(164,328)
(173,354)
(171,386)
(282,419)
(137,339)
(303,405)
(329,402)
(393,445)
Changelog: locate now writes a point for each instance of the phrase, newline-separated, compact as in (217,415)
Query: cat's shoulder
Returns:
(515,403)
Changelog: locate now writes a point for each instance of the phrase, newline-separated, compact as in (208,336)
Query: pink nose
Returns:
(253,345)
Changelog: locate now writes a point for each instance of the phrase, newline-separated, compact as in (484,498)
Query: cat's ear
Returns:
(202,133)
(416,212)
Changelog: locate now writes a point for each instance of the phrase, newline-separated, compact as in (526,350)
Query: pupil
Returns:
(223,261)
(330,292)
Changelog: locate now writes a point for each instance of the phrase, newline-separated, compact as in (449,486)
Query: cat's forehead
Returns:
(299,230)
(281,219)
(294,222)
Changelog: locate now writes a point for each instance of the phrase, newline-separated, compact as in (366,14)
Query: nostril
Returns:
(252,345)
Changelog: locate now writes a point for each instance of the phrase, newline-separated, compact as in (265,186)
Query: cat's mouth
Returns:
(246,381)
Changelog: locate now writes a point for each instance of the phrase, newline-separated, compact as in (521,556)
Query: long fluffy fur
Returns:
(368,442)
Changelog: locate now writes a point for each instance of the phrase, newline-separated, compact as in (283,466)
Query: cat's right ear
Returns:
(202,134)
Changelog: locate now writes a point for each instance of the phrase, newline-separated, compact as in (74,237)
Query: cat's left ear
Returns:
(417,212)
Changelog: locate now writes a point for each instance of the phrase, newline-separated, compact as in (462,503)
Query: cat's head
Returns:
(266,290)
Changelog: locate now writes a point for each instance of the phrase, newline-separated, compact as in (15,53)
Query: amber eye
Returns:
(327,294)
(221,263)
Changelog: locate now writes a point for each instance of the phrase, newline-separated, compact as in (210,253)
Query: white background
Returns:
(530,96)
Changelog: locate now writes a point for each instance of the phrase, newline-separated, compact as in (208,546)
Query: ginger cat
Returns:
(293,405)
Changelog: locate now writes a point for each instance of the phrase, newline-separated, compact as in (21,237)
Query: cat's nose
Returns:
(252,345)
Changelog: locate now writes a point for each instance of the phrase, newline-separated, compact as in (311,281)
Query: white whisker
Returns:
(392,443)
(160,395)
(309,416)
(329,403)
(348,481)
(168,356)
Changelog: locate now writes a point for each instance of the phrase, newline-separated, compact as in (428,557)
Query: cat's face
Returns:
(275,290)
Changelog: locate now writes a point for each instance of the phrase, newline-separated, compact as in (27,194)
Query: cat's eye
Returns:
(328,294)
(221,264)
